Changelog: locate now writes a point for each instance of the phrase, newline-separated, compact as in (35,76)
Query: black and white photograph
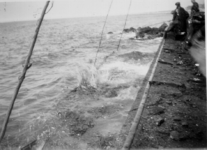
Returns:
(102,75)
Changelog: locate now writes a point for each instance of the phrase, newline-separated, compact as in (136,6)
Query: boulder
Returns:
(175,135)
(111,93)
(159,120)
(126,30)
(148,33)
(144,29)
(130,30)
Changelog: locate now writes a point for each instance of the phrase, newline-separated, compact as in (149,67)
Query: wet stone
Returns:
(169,102)
(159,121)
(156,110)
(111,93)
(184,124)
(177,118)
(200,135)
(163,131)
(185,135)
(174,135)
(76,122)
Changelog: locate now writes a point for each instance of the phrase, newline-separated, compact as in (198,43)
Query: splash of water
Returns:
(113,74)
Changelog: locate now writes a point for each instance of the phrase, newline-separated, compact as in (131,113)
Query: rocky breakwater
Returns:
(148,32)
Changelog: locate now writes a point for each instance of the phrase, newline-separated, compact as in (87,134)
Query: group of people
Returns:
(193,26)
(180,17)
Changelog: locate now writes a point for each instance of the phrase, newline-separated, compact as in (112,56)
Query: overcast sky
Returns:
(17,10)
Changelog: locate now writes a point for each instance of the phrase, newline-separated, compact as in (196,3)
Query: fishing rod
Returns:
(102,32)
(157,23)
(124,24)
(21,78)
(105,58)
(122,33)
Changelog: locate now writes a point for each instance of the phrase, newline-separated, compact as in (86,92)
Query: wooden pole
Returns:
(21,79)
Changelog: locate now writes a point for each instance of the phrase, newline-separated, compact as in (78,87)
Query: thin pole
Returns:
(119,39)
(124,25)
(102,32)
(21,79)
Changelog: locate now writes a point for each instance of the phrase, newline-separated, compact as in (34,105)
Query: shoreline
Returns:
(174,114)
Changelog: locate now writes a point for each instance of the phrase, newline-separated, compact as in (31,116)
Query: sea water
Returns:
(66,85)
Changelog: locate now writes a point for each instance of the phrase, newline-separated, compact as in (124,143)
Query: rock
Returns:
(132,38)
(76,122)
(185,135)
(111,93)
(126,30)
(149,37)
(130,30)
(163,131)
(163,27)
(180,62)
(135,55)
(199,134)
(184,124)
(140,35)
(174,135)
(156,102)
(149,33)
(156,110)
(164,62)
(159,121)
(144,29)
(177,118)
(110,32)
(169,102)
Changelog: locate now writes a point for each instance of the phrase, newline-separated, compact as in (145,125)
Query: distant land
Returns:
(202,6)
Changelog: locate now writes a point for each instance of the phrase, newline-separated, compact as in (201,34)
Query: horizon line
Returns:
(84,16)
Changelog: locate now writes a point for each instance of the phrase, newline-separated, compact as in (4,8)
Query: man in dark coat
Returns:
(194,8)
(195,16)
(182,17)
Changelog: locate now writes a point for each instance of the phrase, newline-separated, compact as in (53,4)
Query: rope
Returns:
(21,79)
(157,23)
(102,32)
(124,25)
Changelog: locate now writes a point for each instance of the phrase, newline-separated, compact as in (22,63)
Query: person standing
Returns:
(194,8)
(182,16)
(194,13)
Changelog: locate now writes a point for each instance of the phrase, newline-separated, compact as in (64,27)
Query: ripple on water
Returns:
(64,80)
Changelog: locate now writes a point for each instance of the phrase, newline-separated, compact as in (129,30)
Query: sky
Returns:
(19,10)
